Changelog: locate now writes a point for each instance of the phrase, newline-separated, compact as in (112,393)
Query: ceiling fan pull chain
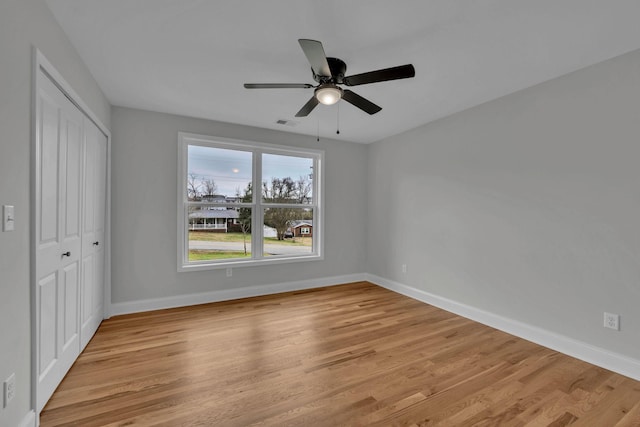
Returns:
(338,121)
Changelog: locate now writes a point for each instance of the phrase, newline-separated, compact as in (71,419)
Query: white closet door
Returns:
(59,139)
(93,229)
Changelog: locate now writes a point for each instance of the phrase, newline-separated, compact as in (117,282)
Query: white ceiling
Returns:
(191,57)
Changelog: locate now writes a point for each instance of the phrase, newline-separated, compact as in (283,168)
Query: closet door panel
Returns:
(88,273)
(72,181)
(48,293)
(70,278)
(48,129)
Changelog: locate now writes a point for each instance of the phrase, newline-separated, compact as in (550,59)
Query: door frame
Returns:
(40,64)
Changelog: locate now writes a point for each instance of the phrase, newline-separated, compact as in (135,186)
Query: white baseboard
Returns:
(228,294)
(29,420)
(580,350)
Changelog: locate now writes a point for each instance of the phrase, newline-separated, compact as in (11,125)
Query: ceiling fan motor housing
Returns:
(338,70)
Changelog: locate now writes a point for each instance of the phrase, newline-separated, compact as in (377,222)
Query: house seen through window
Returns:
(247,203)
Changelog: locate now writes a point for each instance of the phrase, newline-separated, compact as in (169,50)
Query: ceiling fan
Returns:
(329,73)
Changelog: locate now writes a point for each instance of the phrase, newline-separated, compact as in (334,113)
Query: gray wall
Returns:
(23,24)
(144,188)
(527,207)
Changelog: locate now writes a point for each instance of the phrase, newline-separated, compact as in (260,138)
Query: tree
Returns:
(210,187)
(303,190)
(193,187)
(244,214)
(280,190)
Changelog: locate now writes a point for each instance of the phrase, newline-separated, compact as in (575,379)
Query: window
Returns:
(239,201)
(304,230)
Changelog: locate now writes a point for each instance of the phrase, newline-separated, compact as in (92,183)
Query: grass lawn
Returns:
(217,237)
(306,241)
(237,237)
(207,255)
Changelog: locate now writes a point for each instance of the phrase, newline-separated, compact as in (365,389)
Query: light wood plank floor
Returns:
(353,354)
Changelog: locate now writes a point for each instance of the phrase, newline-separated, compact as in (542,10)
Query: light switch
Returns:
(8,218)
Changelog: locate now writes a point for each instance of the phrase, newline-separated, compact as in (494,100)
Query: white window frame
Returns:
(257,205)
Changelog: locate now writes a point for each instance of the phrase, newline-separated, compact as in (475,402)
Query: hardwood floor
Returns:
(353,354)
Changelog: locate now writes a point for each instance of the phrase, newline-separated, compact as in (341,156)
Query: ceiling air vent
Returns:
(285,122)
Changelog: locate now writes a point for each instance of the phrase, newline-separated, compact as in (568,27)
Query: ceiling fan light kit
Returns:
(328,94)
(329,73)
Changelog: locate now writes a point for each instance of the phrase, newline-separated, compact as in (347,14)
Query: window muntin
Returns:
(219,214)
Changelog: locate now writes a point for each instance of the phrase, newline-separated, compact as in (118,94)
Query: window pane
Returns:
(217,175)
(287,179)
(283,231)
(216,234)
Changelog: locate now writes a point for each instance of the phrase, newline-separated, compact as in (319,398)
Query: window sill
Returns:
(247,263)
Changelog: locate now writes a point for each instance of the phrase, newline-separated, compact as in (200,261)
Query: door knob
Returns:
(68,253)
(96,243)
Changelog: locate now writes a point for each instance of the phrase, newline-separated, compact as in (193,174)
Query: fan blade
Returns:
(277,85)
(360,102)
(315,55)
(308,107)
(393,73)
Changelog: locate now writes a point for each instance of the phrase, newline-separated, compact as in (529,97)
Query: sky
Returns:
(231,169)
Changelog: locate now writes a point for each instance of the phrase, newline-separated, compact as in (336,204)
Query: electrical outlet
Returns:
(9,389)
(612,321)
(404,268)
